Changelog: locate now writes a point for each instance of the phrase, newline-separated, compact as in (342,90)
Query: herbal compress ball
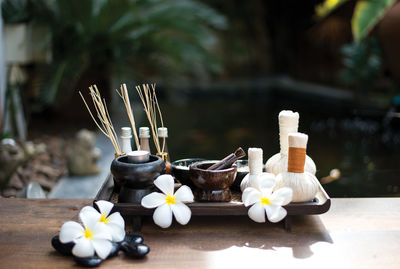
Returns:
(304,184)
(288,123)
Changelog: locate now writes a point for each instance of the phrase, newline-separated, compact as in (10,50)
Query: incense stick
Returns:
(103,116)
(151,107)
(125,97)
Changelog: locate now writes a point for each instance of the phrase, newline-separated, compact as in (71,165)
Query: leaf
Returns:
(367,14)
(325,8)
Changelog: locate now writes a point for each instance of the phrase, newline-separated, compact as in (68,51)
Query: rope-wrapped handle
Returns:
(297,152)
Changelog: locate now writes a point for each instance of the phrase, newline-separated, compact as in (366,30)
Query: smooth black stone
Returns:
(133,239)
(64,249)
(89,261)
(135,250)
(114,250)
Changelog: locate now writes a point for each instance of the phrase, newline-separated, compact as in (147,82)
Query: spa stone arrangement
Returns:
(143,184)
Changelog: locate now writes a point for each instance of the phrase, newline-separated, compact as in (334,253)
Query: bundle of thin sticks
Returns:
(125,97)
(152,108)
(105,126)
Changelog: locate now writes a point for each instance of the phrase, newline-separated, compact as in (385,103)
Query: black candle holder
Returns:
(133,181)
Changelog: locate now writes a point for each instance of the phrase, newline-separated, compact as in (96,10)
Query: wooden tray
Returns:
(319,205)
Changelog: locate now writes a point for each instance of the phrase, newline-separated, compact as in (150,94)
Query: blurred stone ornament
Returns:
(32,191)
(11,156)
(304,184)
(82,158)
(288,123)
(334,174)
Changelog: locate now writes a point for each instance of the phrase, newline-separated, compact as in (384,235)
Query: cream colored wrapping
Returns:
(304,185)
(278,163)
(288,123)
(297,140)
(255,157)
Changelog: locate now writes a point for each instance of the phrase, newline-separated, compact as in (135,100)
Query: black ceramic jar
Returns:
(135,180)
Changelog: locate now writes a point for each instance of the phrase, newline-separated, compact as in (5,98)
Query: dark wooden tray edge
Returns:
(320,206)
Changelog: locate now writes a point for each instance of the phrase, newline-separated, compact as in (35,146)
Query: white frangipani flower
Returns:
(114,223)
(88,239)
(263,200)
(168,203)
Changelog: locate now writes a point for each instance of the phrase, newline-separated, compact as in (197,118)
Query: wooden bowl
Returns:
(212,185)
(180,170)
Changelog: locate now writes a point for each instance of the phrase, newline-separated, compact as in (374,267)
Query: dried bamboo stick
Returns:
(125,97)
(103,116)
(151,107)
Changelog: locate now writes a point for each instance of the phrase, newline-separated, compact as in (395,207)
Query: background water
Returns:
(359,143)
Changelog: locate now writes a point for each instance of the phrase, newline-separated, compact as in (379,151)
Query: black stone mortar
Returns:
(133,181)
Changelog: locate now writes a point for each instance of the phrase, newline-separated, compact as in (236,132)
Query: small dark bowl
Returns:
(211,179)
(136,175)
(180,170)
(242,171)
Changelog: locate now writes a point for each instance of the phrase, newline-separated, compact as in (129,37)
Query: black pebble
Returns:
(133,239)
(64,249)
(89,261)
(135,250)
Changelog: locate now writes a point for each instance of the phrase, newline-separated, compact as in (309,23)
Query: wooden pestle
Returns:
(228,160)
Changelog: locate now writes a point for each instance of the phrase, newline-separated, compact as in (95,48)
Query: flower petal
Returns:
(102,247)
(70,231)
(116,225)
(152,200)
(266,181)
(256,213)
(250,196)
(163,216)
(275,213)
(89,217)
(165,183)
(101,231)
(116,219)
(182,213)
(105,207)
(83,248)
(90,210)
(184,194)
(117,233)
(282,196)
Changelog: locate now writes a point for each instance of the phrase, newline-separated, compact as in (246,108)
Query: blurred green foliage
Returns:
(366,15)
(17,11)
(125,38)
(362,62)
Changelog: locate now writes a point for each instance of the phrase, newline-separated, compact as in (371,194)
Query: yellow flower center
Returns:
(170,199)
(88,234)
(265,201)
(103,219)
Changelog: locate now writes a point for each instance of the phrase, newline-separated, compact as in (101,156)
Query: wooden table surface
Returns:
(354,233)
